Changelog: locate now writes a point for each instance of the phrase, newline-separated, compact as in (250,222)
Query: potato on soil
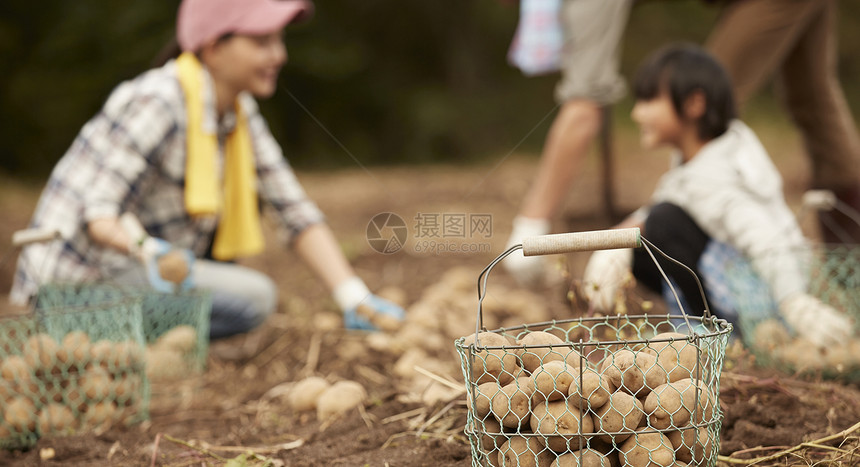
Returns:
(492,364)
(692,445)
(512,403)
(55,418)
(560,424)
(525,452)
(182,339)
(484,394)
(304,394)
(636,373)
(339,398)
(647,450)
(594,392)
(165,365)
(583,458)
(552,380)
(622,412)
(534,353)
(671,405)
(20,415)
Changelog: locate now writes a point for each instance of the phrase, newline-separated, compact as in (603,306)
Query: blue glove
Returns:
(151,251)
(373,314)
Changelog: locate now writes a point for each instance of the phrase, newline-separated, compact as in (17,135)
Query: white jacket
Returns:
(734,193)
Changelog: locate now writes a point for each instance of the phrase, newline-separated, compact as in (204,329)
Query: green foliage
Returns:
(377,81)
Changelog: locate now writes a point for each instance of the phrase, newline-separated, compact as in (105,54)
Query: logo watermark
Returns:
(434,233)
(386,233)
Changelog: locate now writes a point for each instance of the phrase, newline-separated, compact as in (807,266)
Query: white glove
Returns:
(527,271)
(605,272)
(816,321)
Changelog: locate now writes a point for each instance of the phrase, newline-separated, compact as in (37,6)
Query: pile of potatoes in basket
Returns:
(53,387)
(539,402)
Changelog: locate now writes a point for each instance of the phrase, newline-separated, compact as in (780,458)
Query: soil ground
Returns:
(234,413)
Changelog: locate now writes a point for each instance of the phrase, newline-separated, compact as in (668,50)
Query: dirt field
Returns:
(235,413)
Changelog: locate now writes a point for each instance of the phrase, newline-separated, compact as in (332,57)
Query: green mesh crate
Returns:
(619,390)
(175,325)
(69,369)
(833,274)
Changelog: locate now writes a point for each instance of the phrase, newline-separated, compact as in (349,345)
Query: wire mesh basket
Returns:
(71,369)
(625,389)
(832,273)
(175,325)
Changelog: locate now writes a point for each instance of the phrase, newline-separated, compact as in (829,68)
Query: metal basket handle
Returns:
(582,241)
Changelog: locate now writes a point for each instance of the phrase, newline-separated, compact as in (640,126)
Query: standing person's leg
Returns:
(242,298)
(814,97)
(590,80)
(752,39)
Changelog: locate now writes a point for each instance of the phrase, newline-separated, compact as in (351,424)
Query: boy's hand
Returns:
(816,321)
(605,272)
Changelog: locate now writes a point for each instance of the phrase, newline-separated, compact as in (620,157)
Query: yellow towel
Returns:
(239,232)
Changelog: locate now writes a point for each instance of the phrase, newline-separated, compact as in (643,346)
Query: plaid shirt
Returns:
(131,158)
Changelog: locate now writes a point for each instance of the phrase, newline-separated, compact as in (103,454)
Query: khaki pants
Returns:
(794,41)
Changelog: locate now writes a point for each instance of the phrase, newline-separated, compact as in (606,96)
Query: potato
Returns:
(40,351)
(96,384)
(173,267)
(551,380)
(594,392)
(393,294)
(584,458)
(55,418)
(678,357)
(182,339)
(101,414)
(671,405)
(498,365)
(621,413)
(647,450)
(77,345)
(636,373)
(304,394)
(20,415)
(488,440)
(560,424)
(126,389)
(770,334)
(692,445)
(101,353)
(525,452)
(535,353)
(15,369)
(165,365)
(126,354)
(483,395)
(340,398)
(74,398)
(7,392)
(511,405)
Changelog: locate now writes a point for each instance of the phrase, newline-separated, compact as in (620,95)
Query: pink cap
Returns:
(200,21)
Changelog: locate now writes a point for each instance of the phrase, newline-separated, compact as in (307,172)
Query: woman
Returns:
(184,150)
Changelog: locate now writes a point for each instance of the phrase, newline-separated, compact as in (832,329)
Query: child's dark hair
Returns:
(680,70)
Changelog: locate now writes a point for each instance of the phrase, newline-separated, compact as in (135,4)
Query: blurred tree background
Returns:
(381,81)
